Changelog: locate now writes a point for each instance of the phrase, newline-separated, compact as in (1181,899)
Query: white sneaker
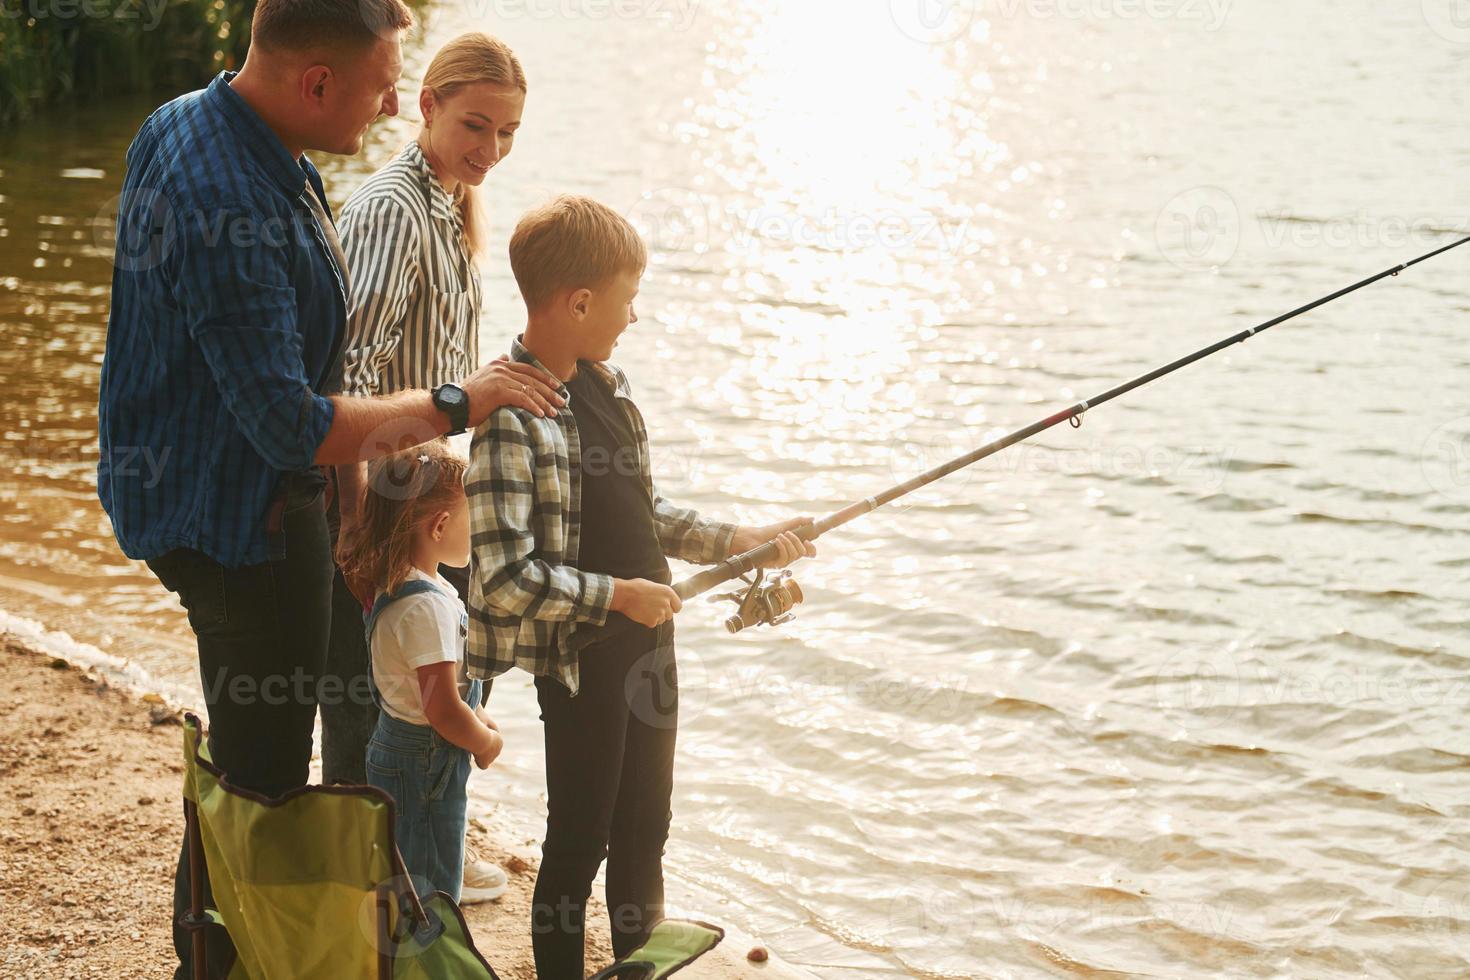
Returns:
(484,881)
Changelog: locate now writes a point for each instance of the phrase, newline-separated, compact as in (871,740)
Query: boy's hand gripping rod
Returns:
(770,601)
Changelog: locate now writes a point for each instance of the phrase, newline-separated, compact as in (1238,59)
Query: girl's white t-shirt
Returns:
(413,632)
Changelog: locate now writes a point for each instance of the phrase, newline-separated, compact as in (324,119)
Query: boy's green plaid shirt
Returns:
(529,605)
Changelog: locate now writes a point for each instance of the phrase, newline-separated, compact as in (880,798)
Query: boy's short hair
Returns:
(298,25)
(572,243)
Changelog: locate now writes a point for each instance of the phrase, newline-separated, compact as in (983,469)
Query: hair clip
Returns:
(423,459)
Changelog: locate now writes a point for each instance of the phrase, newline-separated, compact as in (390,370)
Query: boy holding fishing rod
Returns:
(569,579)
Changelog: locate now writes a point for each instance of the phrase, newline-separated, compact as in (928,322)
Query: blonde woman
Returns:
(413,234)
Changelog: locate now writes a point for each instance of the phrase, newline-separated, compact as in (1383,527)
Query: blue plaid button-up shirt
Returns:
(228,312)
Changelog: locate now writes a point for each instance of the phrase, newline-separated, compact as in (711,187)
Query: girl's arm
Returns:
(452,718)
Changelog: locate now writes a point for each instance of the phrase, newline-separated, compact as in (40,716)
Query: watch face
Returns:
(452,397)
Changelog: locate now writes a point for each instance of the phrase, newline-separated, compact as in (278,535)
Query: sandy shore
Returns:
(90,822)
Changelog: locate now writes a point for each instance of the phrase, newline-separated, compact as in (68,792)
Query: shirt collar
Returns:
(439,580)
(613,379)
(258,139)
(518,352)
(441,202)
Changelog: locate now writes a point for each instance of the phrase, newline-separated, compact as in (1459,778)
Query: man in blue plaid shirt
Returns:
(218,398)
(569,579)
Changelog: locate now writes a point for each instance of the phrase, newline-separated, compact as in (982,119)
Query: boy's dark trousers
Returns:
(609,780)
(262,636)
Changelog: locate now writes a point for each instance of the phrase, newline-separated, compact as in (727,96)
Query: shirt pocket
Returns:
(455,316)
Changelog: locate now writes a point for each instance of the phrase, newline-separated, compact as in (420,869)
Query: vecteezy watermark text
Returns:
(673,219)
(679,13)
(1210,13)
(149,12)
(1202,228)
(941,21)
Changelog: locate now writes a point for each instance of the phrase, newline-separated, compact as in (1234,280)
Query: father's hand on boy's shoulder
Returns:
(504,383)
(789,545)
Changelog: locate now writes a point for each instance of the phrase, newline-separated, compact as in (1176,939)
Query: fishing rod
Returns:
(771,600)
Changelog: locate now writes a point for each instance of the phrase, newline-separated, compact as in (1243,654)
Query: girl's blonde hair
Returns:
(404,492)
(468,60)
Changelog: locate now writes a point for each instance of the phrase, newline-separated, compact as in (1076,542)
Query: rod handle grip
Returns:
(737,565)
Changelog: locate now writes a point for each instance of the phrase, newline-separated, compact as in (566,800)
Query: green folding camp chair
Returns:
(672,945)
(311,885)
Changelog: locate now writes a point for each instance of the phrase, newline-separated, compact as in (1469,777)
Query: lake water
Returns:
(1180,693)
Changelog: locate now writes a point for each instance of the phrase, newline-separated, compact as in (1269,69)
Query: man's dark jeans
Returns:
(262,634)
(609,780)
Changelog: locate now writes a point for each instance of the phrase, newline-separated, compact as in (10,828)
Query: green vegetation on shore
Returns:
(56,50)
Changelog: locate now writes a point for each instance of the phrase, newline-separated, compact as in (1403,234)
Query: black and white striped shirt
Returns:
(413,318)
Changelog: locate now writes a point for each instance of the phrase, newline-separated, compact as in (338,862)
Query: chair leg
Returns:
(385,942)
(197,938)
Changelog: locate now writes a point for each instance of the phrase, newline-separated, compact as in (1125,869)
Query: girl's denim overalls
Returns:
(426,775)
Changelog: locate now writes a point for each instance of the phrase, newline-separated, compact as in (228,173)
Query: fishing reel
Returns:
(766,601)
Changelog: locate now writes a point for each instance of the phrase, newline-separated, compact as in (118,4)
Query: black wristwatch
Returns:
(452,401)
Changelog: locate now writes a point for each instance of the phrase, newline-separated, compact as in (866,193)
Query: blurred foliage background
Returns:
(58,50)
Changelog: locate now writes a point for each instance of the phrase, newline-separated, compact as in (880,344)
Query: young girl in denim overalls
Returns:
(414,517)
